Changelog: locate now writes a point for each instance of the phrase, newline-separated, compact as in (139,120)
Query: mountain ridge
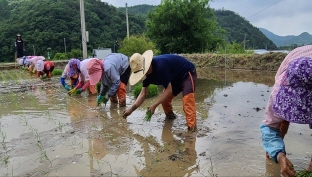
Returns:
(302,39)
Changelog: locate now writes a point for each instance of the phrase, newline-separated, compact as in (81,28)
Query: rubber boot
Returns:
(114,99)
(190,111)
(122,94)
(167,107)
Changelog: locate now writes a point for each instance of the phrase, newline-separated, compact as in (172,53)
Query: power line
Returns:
(264,9)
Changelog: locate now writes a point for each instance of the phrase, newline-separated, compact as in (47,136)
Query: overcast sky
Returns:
(282,17)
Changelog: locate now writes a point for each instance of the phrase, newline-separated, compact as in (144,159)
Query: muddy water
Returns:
(46,132)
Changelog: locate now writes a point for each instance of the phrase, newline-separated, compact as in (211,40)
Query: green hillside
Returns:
(236,27)
(45,23)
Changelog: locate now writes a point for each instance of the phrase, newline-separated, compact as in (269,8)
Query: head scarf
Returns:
(73,67)
(293,101)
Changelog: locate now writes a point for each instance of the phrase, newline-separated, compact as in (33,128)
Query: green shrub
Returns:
(152,90)
(57,72)
(60,56)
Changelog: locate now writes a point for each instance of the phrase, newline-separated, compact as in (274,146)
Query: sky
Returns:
(281,17)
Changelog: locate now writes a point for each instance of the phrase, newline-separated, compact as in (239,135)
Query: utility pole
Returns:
(245,41)
(127,20)
(83,30)
(65,45)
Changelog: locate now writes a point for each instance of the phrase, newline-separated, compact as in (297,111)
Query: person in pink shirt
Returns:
(290,101)
(75,66)
(32,63)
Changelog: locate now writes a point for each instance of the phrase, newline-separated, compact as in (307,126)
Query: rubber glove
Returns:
(102,99)
(67,87)
(72,91)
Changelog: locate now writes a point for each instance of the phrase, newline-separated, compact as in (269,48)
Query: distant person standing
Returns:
(19,45)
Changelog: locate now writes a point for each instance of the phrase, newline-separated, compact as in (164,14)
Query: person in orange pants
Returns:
(114,73)
(44,68)
(175,73)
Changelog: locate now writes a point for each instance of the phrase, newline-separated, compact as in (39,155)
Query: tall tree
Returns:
(182,26)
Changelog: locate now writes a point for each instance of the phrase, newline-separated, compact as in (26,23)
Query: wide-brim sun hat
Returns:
(139,65)
(73,67)
(21,61)
(293,102)
(40,65)
(95,70)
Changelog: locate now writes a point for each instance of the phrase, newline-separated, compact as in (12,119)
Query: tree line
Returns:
(174,26)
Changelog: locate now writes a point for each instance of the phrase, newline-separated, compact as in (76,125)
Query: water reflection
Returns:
(170,157)
(229,107)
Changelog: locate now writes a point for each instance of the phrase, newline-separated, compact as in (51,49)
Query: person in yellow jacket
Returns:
(175,73)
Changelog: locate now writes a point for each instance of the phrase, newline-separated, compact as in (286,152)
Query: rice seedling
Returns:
(43,77)
(3,135)
(6,160)
(57,72)
(148,115)
(304,173)
(152,90)
(60,125)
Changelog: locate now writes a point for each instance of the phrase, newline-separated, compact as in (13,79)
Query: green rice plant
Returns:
(43,77)
(304,173)
(6,161)
(57,72)
(148,115)
(152,90)
(98,87)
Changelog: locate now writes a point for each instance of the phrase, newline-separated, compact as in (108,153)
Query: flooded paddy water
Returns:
(44,132)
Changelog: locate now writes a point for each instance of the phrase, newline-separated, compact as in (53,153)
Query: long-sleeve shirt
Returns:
(271,135)
(115,65)
(84,75)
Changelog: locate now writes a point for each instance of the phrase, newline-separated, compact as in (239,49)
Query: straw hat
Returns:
(139,65)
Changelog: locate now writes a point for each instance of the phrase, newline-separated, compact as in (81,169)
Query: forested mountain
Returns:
(237,28)
(303,39)
(45,23)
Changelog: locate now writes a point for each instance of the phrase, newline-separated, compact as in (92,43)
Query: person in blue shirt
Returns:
(175,73)
(73,80)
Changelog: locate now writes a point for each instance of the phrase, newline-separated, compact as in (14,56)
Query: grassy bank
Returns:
(269,61)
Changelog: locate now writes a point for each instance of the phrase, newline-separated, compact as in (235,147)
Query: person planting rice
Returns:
(73,80)
(75,66)
(25,61)
(114,73)
(32,63)
(290,101)
(175,73)
(44,68)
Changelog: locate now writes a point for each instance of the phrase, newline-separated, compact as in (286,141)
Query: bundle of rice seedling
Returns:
(44,78)
(304,173)
(148,115)
(56,72)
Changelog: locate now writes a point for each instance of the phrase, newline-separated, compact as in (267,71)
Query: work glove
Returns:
(72,91)
(67,87)
(102,99)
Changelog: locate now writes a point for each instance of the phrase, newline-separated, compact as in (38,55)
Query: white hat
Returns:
(39,65)
(21,61)
(139,65)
